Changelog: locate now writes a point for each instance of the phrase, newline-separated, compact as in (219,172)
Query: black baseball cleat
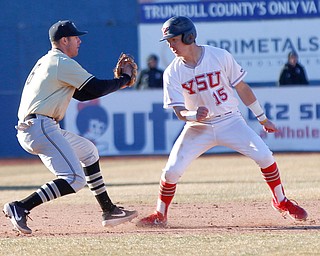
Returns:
(117,216)
(18,217)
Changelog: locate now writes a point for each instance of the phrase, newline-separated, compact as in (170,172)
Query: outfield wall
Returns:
(258,33)
(129,122)
(24,25)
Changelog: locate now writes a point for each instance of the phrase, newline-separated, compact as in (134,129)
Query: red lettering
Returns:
(201,83)
(214,79)
(220,95)
(188,86)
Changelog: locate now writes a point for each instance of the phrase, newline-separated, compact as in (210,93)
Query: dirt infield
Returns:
(84,220)
(136,184)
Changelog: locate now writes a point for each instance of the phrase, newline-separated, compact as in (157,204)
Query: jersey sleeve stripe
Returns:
(239,79)
(85,82)
(175,104)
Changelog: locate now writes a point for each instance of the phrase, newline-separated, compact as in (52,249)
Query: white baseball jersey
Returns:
(51,84)
(208,84)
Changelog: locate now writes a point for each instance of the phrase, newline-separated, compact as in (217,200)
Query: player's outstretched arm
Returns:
(249,99)
(96,88)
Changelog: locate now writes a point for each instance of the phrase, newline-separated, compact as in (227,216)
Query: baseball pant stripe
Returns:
(60,151)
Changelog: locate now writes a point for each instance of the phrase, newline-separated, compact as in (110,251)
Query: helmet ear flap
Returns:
(188,38)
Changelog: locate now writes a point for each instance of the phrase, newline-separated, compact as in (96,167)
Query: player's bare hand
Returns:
(269,127)
(202,113)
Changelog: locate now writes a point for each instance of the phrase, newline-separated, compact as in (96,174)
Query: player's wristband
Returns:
(191,116)
(258,112)
(262,118)
(264,121)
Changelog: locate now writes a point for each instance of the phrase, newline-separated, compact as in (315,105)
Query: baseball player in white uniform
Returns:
(74,160)
(199,85)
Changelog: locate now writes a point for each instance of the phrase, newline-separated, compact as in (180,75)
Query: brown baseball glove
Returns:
(124,61)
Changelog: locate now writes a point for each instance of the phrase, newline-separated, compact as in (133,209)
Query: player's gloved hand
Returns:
(269,127)
(126,65)
(202,113)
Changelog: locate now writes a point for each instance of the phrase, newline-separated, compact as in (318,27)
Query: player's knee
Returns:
(170,177)
(174,170)
(76,181)
(92,155)
(264,160)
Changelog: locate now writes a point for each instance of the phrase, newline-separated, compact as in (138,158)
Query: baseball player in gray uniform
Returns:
(199,85)
(74,160)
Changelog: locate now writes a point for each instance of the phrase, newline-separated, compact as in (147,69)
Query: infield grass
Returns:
(136,244)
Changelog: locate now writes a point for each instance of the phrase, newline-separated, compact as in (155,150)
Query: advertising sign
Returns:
(134,122)
(259,34)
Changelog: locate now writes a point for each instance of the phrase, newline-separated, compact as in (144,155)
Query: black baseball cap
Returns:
(293,54)
(64,28)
